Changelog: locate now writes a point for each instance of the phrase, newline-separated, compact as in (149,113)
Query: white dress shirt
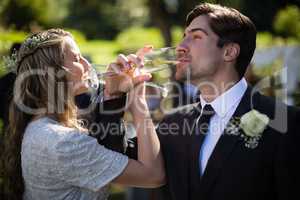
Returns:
(224,106)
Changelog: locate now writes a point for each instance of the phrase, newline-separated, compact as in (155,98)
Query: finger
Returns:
(114,67)
(135,60)
(123,61)
(141,78)
(146,49)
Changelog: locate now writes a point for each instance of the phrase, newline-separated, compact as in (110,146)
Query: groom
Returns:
(236,143)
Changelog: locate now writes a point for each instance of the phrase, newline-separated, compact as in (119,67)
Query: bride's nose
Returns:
(85,64)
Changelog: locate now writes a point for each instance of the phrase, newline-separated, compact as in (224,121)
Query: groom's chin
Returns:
(180,75)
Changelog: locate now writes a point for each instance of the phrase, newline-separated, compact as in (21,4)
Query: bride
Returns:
(48,154)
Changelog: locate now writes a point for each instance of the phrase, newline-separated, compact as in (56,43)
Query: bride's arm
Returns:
(148,170)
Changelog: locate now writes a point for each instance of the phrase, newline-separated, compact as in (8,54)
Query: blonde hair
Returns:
(42,57)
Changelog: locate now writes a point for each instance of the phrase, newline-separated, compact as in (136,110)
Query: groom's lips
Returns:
(182,64)
(183,60)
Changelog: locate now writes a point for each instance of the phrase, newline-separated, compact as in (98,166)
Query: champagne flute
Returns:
(154,61)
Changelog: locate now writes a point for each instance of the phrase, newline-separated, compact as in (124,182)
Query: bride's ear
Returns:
(231,52)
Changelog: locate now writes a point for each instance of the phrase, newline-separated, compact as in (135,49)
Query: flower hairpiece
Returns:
(29,45)
(10,62)
(34,41)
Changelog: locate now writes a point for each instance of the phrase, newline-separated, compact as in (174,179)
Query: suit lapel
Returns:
(181,183)
(194,144)
(224,147)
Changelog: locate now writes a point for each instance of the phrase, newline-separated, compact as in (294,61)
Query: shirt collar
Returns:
(228,99)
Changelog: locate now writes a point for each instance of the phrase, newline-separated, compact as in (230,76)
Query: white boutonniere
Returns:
(252,124)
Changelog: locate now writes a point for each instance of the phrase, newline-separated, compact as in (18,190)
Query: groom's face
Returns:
(198,55)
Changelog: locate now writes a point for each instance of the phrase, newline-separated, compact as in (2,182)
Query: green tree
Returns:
(287,22)
(262,12)
(167,13)
(21,14)
(104,19)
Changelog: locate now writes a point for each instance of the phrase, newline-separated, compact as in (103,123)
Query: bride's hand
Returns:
(137,104)
(127,73)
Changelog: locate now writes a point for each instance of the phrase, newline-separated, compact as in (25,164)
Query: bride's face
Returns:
(77,67)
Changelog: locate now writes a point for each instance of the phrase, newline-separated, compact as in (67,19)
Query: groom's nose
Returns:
(182,47)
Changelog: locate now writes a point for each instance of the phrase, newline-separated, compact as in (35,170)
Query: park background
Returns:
(105,28)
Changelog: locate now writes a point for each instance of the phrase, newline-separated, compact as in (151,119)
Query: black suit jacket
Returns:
(105,123)
(233,172)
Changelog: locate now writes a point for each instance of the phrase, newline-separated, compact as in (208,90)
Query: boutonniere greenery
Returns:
(249,127)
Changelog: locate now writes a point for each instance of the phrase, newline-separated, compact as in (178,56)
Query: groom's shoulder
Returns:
(272,105)
(281,114)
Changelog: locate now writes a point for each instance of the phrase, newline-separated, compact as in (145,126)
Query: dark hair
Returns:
(231,26)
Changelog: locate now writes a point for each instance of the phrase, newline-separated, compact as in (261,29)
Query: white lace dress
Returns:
(62,163)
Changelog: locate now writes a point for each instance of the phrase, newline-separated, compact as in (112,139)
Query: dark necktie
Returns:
(203,124)
(201,127)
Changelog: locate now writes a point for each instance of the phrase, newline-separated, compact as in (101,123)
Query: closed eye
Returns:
(194,36)
(77,58)
(197,37)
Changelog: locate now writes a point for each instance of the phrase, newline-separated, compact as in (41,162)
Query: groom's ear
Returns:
(231,52)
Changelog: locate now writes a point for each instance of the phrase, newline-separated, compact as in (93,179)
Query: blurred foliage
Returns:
(8,37)
(168,13)
(26,14)
(261,12)
(136,37)
(104,19)
(78,35)
(287,22)
(267,40)
(100,51)
(270,69)
(128,41)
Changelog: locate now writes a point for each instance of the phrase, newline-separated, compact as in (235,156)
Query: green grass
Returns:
(100,51)
(7,38)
